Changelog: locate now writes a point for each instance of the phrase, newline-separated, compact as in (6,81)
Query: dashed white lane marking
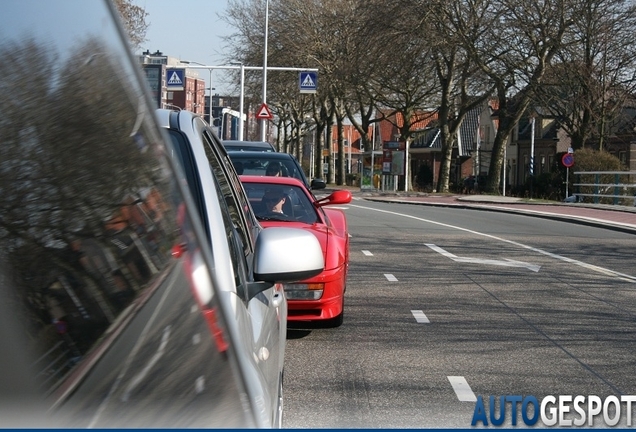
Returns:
(462,389)
(199,385)
(390,277)
(419,316)
(367,253)
(194,308)
(196,339)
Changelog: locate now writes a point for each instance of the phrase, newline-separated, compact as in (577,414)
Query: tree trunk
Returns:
(443,182)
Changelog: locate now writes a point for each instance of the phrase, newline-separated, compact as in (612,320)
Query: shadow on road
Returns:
(295,333)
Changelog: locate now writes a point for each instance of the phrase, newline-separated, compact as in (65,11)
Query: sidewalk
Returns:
(622,218)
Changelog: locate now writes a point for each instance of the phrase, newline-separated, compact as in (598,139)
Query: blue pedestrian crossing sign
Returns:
(174,79)
(308,82)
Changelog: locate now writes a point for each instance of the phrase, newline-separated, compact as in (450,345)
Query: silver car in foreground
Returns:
(259,307)
(128,300)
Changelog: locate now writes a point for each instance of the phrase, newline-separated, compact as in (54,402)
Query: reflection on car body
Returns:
(112,311)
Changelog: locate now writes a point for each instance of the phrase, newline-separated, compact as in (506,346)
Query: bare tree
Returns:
(514,46)
(134,20)
(594,74)
(444,57)
(463,86)
(406,92)
(301,34)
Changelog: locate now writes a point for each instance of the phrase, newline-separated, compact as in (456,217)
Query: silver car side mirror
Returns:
(287,255)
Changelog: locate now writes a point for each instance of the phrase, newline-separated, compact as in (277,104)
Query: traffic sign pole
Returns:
(264,69)
(567,160)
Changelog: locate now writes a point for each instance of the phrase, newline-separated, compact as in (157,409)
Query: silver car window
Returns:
(231,190)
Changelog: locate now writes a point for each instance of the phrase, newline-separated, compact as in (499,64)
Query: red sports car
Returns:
(285,201)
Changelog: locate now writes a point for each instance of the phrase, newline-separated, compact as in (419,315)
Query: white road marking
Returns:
(144,372)
(367,253)
(339,208)
(420,317)
(199,385)
(506,263)
(607,272)
(194,308)
(462,389)
(390,277)
(196,339)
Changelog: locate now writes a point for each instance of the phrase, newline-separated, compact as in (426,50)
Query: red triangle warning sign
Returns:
(264,113)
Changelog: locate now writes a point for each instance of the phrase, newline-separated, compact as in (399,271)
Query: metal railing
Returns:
(606,187)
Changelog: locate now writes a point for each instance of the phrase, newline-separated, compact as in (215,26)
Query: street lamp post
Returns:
(311,128)
(210,99)
(531,155)
(264,121)
(349,150)
(372,159)
(241,100)
(312,155)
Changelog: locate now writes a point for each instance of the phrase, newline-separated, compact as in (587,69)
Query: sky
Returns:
(189,30)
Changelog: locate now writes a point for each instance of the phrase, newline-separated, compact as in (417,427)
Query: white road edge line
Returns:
(607,272)
(462,389)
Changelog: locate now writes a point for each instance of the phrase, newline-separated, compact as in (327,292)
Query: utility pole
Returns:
(531,155)
(264,121)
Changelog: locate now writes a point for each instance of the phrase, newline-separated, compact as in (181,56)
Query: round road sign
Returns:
(567,160)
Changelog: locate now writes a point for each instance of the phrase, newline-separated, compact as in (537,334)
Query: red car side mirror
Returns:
(336,197)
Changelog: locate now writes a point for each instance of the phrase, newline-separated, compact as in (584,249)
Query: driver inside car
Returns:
(273,201)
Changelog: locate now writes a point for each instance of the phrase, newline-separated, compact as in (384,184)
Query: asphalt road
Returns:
(446,304)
